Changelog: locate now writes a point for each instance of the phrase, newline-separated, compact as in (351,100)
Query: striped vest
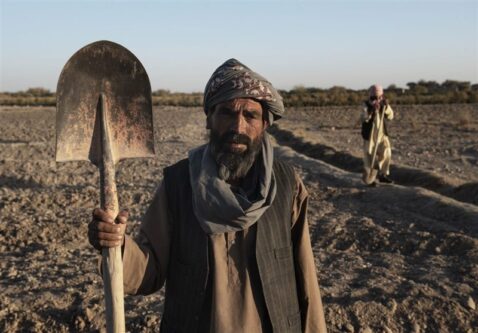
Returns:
(188,271)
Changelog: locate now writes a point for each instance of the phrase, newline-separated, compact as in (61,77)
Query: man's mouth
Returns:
(236,146)
(235,143)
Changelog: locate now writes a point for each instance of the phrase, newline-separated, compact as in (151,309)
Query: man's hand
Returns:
(104,231)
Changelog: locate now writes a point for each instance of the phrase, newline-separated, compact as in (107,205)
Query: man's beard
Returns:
(233,164)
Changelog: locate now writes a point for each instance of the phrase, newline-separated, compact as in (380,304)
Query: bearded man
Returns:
(376,146)
(227,228)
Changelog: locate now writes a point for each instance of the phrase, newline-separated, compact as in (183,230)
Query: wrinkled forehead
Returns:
(239,104)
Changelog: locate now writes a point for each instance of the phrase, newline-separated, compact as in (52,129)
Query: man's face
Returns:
(376,95)
(376,98)
(237,127)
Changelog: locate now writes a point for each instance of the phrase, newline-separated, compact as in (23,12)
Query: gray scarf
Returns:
(220,207)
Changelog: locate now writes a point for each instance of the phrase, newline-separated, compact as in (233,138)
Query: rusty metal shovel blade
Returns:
(104,114)
(108,69)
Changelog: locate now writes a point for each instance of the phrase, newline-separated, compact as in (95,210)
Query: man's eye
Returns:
(251,115)
(225,112)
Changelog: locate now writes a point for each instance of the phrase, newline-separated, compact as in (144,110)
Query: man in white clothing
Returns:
(377,148)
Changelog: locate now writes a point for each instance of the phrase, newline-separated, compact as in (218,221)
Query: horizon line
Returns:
(295,87)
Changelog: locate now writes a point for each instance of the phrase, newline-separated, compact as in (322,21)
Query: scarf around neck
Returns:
(220,207)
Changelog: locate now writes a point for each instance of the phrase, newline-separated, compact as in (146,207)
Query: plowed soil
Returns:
(393,258)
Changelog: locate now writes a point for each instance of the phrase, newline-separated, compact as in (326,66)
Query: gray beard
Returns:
(232,165)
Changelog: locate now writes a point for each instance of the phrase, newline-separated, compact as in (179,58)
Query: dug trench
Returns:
(391,258)
(400,174)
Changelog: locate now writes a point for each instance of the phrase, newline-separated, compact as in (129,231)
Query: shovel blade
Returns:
(109,70)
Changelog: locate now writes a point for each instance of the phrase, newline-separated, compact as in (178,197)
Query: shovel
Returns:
(104,115)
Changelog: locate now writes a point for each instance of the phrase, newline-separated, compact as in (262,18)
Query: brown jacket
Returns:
(236,299)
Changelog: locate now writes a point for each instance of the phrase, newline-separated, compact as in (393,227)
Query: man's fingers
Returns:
(109,237)
(106,243)
(122,217)
(108,227)
(102,215)
(93,239)
(104,232)
(103,239)
(124,213)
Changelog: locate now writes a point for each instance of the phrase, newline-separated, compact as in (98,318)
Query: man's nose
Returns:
(238,124)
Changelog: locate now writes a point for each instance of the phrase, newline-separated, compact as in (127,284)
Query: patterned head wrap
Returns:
(375,90)
(234,80)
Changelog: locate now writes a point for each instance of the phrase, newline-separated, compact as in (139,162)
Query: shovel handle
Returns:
(375,148)
(112,263)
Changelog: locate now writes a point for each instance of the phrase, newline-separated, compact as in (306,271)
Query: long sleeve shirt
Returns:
(236,302)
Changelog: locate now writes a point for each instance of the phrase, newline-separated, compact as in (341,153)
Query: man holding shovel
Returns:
(227,229)
(377,149)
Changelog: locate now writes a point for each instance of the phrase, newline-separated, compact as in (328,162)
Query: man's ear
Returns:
(265,117)
(266,120)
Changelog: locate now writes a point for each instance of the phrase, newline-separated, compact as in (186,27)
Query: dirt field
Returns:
(395,258)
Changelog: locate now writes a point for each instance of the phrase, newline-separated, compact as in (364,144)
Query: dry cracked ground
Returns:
(394,258)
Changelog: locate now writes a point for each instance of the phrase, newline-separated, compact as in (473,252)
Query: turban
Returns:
(234,80)
(375,90)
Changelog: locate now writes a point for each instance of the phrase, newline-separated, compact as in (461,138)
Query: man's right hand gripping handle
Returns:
(104,231)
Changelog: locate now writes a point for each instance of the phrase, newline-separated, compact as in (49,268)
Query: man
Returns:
(227,229)
(375,135)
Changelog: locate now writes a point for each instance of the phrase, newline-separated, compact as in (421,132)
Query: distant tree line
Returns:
(32,96)
(421,92)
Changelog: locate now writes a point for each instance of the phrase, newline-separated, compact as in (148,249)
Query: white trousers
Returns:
(382,160)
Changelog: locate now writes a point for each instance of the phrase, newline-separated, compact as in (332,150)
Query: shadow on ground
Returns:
(400,174)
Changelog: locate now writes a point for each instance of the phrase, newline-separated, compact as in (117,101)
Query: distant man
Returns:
(227,228)
(375,136)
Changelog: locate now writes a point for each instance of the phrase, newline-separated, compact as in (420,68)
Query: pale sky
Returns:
(352,43)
